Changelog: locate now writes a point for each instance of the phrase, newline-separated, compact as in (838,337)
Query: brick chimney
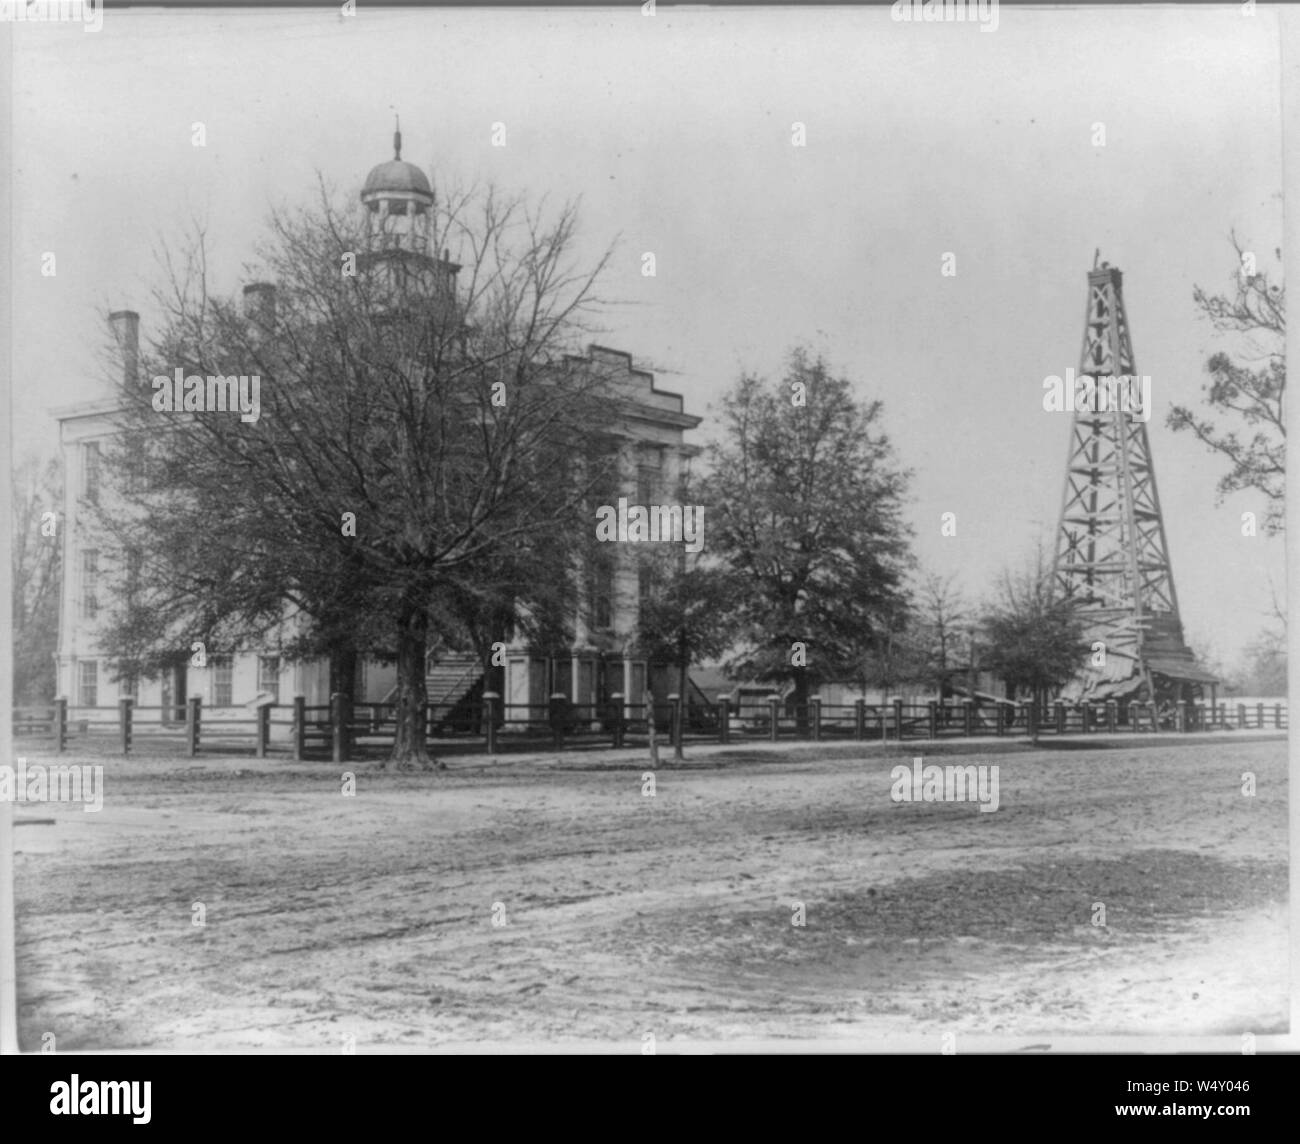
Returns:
(259,304)
(126,329)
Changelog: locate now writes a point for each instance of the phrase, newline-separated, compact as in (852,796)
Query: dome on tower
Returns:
(396,177)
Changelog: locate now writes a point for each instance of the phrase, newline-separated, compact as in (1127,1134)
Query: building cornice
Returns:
(96,408)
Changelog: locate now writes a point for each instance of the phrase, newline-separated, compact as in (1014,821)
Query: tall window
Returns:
(88,683)
(649,474)
(134,564)
(602,591)
(90,583)
(90,471)
(223,671)
(268,676)
(135,471)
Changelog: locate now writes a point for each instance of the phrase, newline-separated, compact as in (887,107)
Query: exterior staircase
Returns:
(454,683)
(451,677)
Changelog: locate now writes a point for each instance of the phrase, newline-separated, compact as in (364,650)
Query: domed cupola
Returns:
(401,267)
(398,201)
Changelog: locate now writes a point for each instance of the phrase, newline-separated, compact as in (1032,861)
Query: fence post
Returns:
(1277,715)
(1000,722)
(557,720)
(1060,717)
(1259,716)
(1112,715)
(124,721)
(898,718)
(932,719)
(859,718)
(617,717)
(773,707)
(193,717)
(815,709)
(1030,711)
(61,724)
(263,729)
(490,716)
(299,727)
(968,717)
(724,719)
(338,727)
(1241,716)
(1180,716)
(675,729)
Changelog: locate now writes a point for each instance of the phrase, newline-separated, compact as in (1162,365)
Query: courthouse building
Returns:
(653,458)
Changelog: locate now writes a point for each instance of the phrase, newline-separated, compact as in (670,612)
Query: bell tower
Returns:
(398,258)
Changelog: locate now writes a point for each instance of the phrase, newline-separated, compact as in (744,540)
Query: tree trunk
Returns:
(650,723)
(683,658)
(343,670)
(409,746)
(801,699)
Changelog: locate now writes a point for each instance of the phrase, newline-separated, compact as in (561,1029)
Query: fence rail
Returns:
(344,730)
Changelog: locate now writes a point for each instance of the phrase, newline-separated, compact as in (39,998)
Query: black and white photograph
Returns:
(648,530)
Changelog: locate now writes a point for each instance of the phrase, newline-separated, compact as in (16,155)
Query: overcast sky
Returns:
(676,130)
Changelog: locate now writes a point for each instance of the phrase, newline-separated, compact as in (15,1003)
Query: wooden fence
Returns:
(343,730)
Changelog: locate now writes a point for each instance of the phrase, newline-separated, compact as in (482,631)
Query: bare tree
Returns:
(37,500)
(418,447)
(943,615)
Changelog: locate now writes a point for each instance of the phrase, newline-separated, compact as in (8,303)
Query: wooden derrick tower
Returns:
(1112,558)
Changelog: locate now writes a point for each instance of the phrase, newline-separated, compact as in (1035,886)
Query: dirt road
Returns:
(553,901)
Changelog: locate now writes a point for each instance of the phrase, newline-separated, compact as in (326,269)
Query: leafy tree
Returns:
(1034,640)
(804,500)
(684,613)
(892,655)
(419,466)
(37,571)
(1251,395)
